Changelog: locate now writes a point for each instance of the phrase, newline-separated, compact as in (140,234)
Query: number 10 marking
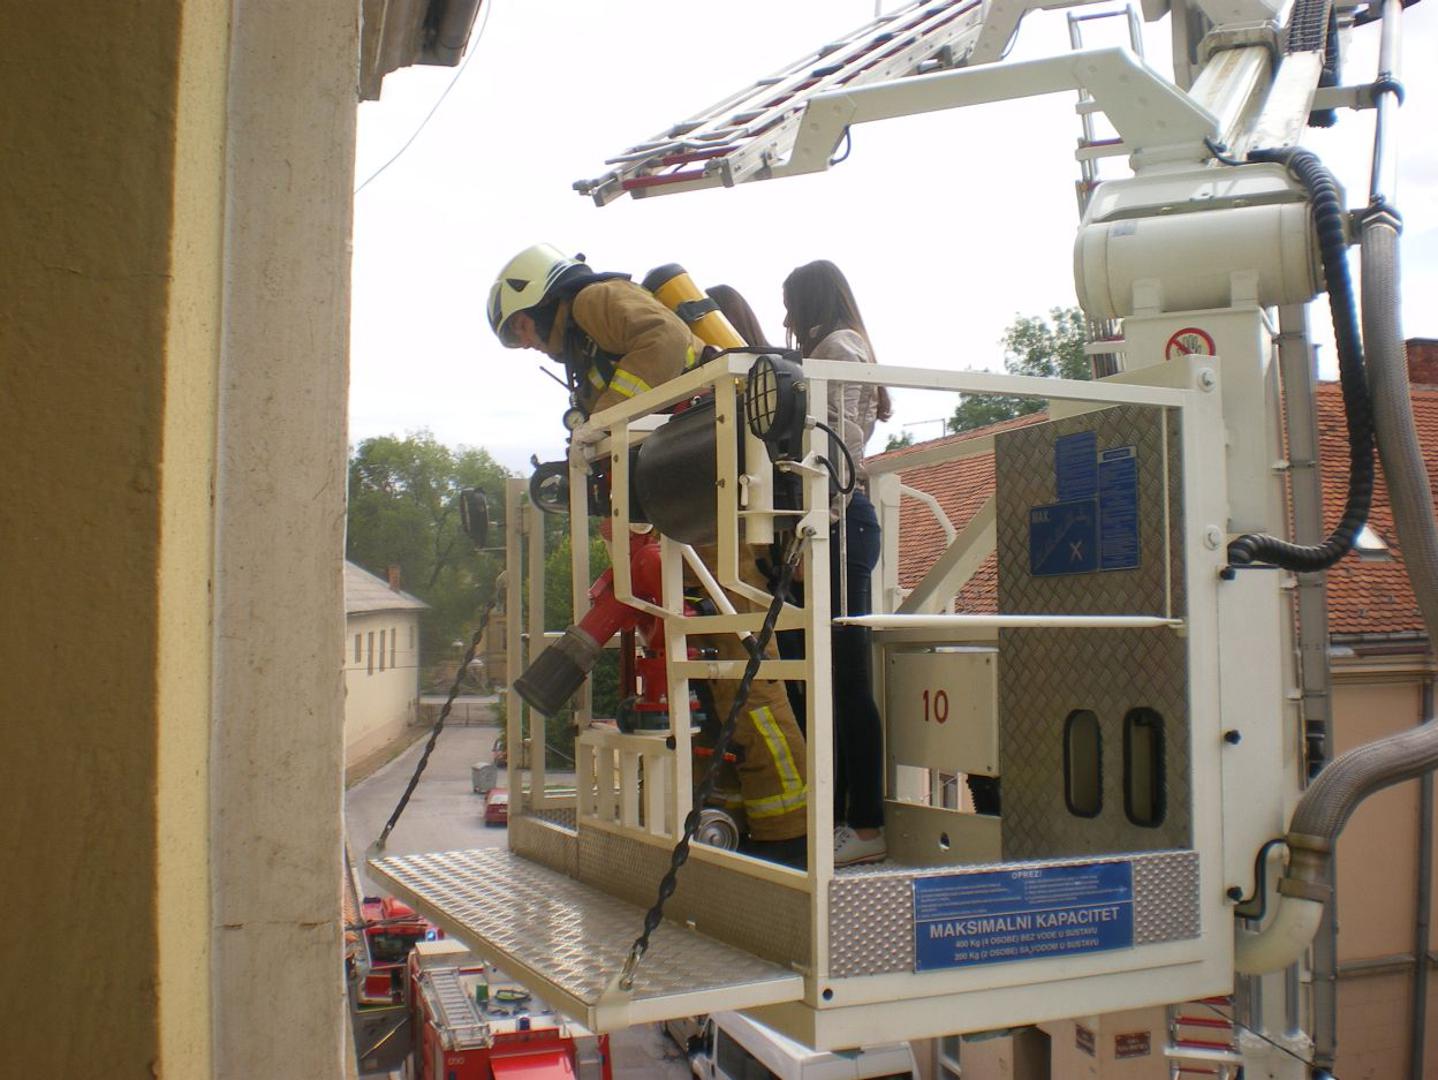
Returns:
(941,707)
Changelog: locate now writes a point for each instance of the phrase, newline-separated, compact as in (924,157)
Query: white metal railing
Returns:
(625,780)
(641,784)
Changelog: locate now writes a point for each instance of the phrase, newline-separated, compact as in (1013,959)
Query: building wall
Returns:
(112,218)
(1377,888)
(381,680)
(175,272)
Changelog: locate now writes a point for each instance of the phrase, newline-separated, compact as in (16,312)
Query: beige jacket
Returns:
(853,407)
(651,343)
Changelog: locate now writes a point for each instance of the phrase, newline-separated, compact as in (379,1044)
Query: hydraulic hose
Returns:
(1333,249)
(1338,790)
(1409,487)
(1312,26)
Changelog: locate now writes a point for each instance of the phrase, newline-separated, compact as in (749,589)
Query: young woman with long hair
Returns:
(823,320)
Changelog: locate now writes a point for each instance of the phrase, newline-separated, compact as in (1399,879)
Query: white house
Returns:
(381,662)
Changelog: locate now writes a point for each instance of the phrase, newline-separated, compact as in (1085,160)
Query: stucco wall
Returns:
(1377,889)
(279,592)
(175,270)
(112,217)
(381,687)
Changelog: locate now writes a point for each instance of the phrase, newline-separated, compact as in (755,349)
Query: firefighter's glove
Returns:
(582,442)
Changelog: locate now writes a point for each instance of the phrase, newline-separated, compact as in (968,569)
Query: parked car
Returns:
(496,807)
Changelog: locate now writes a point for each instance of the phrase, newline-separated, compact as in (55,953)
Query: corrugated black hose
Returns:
(1314,26)
(1357,407)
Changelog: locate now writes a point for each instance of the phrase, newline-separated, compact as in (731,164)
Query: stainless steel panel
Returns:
(756,915)
(567,941)
(1046,674)
(1165,898)
(871,909)
(545,842)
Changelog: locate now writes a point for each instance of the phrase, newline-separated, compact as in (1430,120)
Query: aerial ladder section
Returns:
(751,135)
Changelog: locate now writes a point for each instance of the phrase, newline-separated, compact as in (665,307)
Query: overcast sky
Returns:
(947,225)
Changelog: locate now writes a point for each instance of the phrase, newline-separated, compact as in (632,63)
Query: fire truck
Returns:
(470,1024)
(1151,690)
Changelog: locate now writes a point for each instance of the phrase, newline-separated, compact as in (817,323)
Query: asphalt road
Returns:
(445,814)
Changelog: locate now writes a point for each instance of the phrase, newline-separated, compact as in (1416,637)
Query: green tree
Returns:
(1049,347)
(403,512)
(899,441)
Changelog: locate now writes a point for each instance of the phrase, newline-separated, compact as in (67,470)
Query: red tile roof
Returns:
(1364,597)
(1370,597)
(961,487)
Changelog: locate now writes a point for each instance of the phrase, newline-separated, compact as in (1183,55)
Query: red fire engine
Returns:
(469,1024)
(390,930)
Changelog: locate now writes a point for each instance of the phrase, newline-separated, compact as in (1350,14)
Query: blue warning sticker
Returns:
(1118,508)
(1022,914)
(1094,524)
(1063,538)
(1076,466)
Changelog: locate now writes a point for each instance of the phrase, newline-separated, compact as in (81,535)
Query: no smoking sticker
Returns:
(1190,341)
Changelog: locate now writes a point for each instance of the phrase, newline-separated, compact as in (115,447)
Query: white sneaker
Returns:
(850,849)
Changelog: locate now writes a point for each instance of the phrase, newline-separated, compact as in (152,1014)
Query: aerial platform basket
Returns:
(1093,697)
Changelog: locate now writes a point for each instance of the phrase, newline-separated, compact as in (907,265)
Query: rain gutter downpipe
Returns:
(1418,1025)
(1338,790)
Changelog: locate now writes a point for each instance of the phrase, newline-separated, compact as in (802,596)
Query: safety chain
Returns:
(438,724)
(680,855)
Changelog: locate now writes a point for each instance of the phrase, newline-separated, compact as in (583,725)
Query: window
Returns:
(411,635)
(381,650)
(1083,764)
(1370,546)
(1143,773)
(359,647)
(393,642)
(948,1058)
(737,1063)
(369,653)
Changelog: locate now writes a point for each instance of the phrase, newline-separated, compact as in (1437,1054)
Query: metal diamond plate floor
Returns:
(567,941)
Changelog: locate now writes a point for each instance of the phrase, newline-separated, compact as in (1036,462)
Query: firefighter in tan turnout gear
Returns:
(616,341)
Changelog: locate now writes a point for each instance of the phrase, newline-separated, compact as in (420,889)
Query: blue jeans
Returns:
(858,730)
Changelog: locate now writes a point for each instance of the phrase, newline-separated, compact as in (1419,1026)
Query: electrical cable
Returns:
(1260,883)
(680,855)
(1328,215)
(848,460)
(473,48)
(438,726)
(1252,1031)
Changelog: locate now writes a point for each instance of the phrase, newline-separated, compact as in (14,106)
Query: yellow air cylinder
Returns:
(675,289)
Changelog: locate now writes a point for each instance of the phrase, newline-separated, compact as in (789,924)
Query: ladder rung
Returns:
(1198,1053)
(1203,1021)
(635,183)
(1092,16)
(1100,150)
(1180,1046)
